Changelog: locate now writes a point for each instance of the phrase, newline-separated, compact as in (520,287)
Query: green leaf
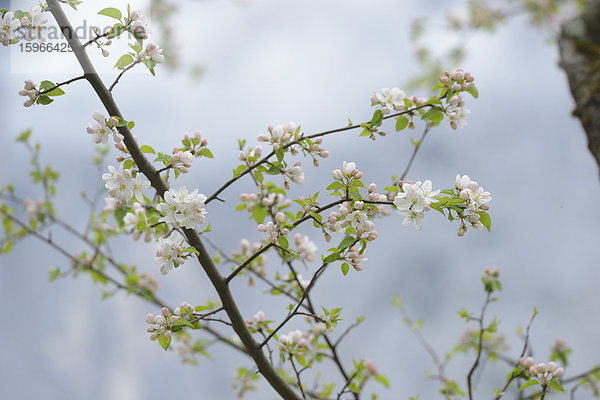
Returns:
(147,149)
(301,360)
(345,268)
(556,385)
(259,176)
(128,164)
(130,124)
(56,92)
(204,152)
(472,90)
(434,114)
(116,31)
(24,136)
(124,61)
(529,383)
(238,171)
(377,118)
(283,242)
(54,274)
(401,123)
(44,100)
(347,242)
(111,12)
(164,341)
(485,220)
(331,258)
(383,380)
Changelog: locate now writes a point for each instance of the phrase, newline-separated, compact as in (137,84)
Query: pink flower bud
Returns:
(324,153)
(150,319)
(105,53)
(113,121)
(558,373)
(165,311)
(527,362)
(461,232)
(258,150)
(262,228)
(198,135)
(280,217)
(242,156)
(160,320)
(173,319)
(359,174)
(533,371)
(552,366)
(154,336)
(28,103)
(29,85)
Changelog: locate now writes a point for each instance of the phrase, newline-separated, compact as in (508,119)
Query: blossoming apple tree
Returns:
(144,200)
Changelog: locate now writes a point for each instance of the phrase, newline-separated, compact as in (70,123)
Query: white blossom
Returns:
(412,217)
(168,255)
(8,26)
(296,174)
(155,53)
(182,208)
(389,99)
(306,248)
(99,130)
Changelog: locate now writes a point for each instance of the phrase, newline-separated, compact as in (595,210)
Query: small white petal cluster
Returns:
(139,24)
(281,134)
(293,340)
(161,324)
(122,186)
(296,174)
(154,53)
(168,255)
(257,323)
(101,129)
(8,27)
(456,82)
(544,373)
(181,160)
(347,172)
(476,199)
(305,247)
(414,200)
(184,308)
(34,208)
(183,209)
(275,229)
(389,100)
(457,117)
(35,24)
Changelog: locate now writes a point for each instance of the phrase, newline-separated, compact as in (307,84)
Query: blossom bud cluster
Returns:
(131,219)
(35,209)
(138,24)
(183,209)
(181,160)
(184,309)
(251,156)
(147,282)
(295,174)
(168,255)
(161,324)
(347,173)
(153,53)
(257,323)
(274,201)
(258,265)
(103,128)
(454,83)
(122,185)
(281,135)
(305,248)
(294,341)
(275,229)
(413,200)
(544,373)
(29,90)
(476,199)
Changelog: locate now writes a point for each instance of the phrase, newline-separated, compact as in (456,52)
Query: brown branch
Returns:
(145,167)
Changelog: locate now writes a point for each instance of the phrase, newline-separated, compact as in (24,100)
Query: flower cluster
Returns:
(29,90)
(544,373)
(168,255)
(257,323)
(258,265)
(183,209)
(414,200)
(8,28)
(280,135)
(389,100)
(34,24)
(476,199)
(251,156)
(454,83)
(275,229)
(275,200)
(161,324)
(305,247)
(351,215)
(154,53)
(295,174)
(347,173)
(147,282)
(295,284)
(102,128)
(184,309)
(122,185)
(138,24)
(35,209)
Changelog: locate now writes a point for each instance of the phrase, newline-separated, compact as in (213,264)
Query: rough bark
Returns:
(579,44)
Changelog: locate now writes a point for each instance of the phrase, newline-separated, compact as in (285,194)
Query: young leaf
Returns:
(111,12)
(124,61)
(164,341)
(147,149)
(530,382)
(401,123)
(485,220)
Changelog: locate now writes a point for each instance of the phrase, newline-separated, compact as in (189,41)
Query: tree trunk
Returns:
(579,44)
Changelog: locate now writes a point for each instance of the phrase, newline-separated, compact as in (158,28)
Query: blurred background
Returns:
(246,65)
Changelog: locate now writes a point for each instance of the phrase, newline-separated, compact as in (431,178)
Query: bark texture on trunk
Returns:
(579,44)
